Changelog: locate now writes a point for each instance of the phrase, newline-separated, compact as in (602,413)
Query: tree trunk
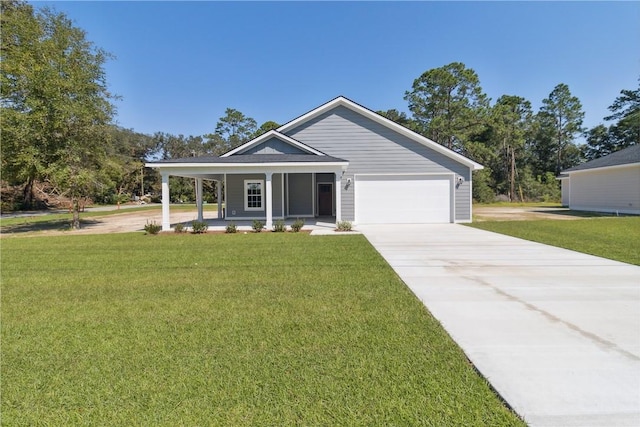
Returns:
(27,194)
(75,222)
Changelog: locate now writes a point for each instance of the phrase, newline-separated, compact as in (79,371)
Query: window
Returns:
(253,195)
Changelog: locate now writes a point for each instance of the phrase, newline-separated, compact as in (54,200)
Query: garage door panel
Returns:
(402,200)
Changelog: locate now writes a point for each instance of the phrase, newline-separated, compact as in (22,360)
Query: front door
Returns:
(325,199)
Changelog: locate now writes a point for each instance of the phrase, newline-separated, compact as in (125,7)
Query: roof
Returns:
(347,103)
(629,155)
(253,158)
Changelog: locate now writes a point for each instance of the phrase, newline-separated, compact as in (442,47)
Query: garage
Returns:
(403,199)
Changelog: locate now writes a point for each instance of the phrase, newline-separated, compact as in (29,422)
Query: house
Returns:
(341,161)
(608,184)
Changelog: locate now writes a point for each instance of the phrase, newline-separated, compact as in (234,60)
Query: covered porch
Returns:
(263,187)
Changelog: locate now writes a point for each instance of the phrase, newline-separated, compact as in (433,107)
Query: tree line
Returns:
(523,151)
(60,144)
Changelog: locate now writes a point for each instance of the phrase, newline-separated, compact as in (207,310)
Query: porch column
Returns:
(219,188)
(199,198)
(268,200)
(338,187)
(166,221)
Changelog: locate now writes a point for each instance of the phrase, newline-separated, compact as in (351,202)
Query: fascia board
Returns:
(191,169)
(273,134)
(342,101)
(603,168)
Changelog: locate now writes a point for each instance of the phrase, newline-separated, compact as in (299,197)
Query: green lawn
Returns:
(608,237)
(256,329)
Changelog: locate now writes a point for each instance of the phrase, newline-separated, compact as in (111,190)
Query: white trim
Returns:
(225,195)
(262,195)
(626,165)
(342,101)
(233,167)
(273,134)
(282,193)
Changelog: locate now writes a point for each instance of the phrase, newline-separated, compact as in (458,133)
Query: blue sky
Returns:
(179,65)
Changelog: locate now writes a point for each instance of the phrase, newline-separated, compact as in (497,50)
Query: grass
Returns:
(255,329)
(608,237)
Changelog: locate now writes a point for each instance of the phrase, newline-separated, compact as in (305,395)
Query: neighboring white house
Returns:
(608,184)
(339,161)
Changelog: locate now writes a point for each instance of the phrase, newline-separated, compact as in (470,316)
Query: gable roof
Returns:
(347,103)
(629,155)
(273,134)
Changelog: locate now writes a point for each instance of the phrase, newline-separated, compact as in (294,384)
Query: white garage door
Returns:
(402,199)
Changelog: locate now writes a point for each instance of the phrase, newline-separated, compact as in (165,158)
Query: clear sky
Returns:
(179,65)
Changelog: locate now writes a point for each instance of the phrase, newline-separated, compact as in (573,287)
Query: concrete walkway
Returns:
(556,332)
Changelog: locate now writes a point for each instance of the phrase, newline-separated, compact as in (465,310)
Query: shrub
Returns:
(257,225)
(231,228)
(279,226)
(199,227)
(343,226)
(297,225)
(152,227)
(179,228)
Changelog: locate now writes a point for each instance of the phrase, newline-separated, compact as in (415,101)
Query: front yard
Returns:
(255,329)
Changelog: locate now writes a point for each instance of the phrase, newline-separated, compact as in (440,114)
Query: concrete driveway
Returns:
(556,332)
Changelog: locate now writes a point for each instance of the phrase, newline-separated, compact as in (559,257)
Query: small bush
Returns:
(199,227)
(343,226)
(257,225)
(297,225)
(179,228)
(152,227)
(231,228)
(279,226)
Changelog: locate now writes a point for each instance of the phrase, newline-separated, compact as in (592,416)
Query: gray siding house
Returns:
(340,161)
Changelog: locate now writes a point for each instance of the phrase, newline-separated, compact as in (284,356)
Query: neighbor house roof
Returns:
(626,156)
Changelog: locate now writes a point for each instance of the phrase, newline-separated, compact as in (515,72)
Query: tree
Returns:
(231,131)
(602,140)
(400,117)
(55,104)
(626,109)
(560,119)
(511,119)
(264,128)
(448,105)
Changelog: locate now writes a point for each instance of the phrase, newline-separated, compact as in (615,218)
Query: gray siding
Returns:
(300,194)
(235,196)
(273,146)
(372,148)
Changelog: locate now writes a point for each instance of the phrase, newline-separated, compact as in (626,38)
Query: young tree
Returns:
(560,120)
(448,105)
(55,104)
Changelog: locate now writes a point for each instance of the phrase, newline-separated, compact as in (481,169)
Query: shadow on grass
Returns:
(50,225)
(579,214)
